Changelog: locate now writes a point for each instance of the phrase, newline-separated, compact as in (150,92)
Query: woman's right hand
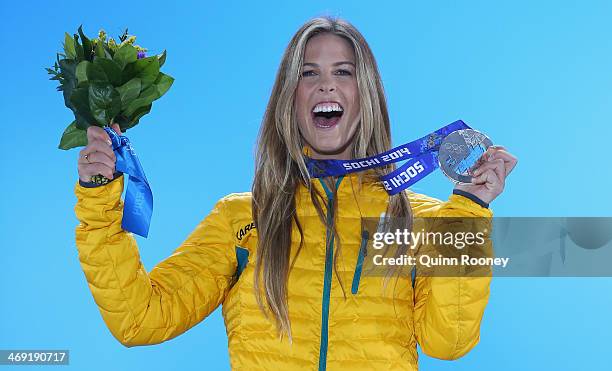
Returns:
(98,156)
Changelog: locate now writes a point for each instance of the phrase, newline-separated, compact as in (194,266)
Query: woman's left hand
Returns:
(489,175)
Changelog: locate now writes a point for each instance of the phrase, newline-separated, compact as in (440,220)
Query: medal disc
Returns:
(460,151)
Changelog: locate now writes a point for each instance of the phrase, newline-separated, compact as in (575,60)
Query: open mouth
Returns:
(327,114)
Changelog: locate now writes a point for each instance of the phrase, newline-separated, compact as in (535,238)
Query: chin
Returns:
(328,148)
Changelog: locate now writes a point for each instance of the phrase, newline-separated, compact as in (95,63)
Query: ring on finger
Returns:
(86,157)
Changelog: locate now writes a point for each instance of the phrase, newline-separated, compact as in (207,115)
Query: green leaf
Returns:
(163,83)
(69,48)
(80,106)
(87,46)
(100,50)
(125,54)
(124,36)
(79,49)
(149,94)
(68,69)
(129,91)
(81,72)
(145,98)
(73,137)
(111,70)
(82,122)
(87,72)
(162,58)
(146,69)
(123,122)
(137,115)
(104,102)
(96,73)
(140,112)
(108,51)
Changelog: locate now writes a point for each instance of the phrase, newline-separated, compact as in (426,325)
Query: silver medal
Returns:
(460,151)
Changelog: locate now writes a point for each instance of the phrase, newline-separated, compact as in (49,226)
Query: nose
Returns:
(324,88)
(327,85)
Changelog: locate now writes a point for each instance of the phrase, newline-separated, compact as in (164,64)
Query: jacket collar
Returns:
(365,182)
(355,183)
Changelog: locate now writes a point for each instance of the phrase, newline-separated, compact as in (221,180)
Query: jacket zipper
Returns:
(327,278)
(363,252)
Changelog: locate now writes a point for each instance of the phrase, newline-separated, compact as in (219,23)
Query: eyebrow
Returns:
(335,64)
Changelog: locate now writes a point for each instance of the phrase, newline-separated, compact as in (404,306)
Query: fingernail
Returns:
(109,142)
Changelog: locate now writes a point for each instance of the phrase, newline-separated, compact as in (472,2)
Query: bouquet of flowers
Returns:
(104,82)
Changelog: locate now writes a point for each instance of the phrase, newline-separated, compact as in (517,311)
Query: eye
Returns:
(308,73)
(344,72)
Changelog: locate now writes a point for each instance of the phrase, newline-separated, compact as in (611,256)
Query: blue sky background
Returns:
(536,78)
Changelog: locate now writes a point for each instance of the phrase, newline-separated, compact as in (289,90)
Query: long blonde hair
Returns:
(280,166)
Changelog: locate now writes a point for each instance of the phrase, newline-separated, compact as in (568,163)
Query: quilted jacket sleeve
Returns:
(449,310)
(143,308)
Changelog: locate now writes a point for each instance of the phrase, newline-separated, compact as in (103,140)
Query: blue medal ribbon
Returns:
(138,205)
(421,156)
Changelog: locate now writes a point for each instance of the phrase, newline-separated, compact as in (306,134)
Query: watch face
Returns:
(460,151)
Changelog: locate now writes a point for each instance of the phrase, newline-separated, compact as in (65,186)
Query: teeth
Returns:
(327,107)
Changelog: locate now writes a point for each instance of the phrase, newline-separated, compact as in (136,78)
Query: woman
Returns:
(301,236)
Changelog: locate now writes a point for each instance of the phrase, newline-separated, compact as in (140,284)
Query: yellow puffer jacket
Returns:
(214,265)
